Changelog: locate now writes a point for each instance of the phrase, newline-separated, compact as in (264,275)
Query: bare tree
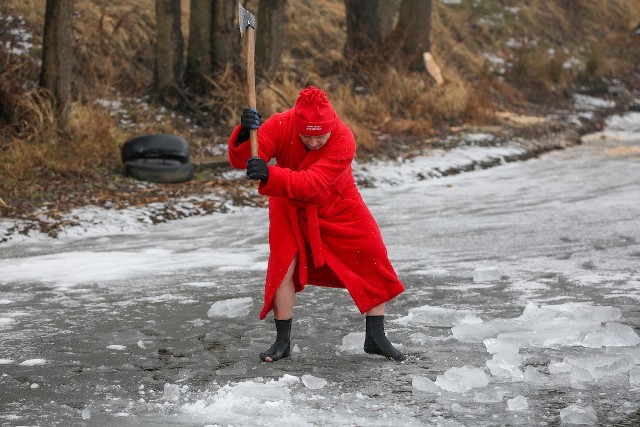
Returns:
(225,38)
(270,34)
(411,36)
(57,57)
(368,24)
(199,51)
(169,52)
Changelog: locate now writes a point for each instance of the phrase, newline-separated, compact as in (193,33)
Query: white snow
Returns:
(586,102)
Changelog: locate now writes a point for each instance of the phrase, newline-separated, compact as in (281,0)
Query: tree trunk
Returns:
(169,52)
(199,52)
(57,57)
(270,34)
(225,35)
(412,33)
(368,24)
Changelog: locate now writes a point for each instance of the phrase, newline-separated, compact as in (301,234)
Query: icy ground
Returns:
(521,308)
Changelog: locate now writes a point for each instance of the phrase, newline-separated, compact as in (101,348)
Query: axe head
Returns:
(245,19)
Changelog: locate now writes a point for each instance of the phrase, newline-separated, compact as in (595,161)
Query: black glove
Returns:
(250,119)
(257,169)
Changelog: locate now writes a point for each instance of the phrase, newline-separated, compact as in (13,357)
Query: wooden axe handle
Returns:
(251,84)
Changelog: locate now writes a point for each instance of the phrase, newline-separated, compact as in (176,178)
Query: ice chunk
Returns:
(501,345)
(423,383)
(557,332)
(576,414)
(587,369)
(547,326)
(482,331)
(461,380)
(506,365)
(314,383)
(117,347)
(612,335)
(486,274)
(33,362)
(556,368)
(633,353)
(86,413)
(231,308)
(258,392)
(532,375)
(6,361)
(634,376)
(171,392)
(489,396)
(518,403)
(6,321)
(571,310)
(438,317)
(352,342)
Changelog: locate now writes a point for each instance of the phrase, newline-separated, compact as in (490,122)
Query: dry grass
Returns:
(114,57)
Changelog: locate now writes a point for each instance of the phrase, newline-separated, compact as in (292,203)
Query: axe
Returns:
(248,23)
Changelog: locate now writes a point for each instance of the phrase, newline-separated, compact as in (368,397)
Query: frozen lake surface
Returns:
(522,308)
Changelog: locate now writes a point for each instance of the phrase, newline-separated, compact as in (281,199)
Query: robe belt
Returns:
(313,231)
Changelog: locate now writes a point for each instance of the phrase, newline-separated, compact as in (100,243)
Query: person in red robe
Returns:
(320,230)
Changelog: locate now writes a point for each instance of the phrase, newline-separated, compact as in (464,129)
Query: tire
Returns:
(159,170)
(156,146)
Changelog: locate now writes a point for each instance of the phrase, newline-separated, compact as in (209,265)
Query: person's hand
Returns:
(257,169)
(249,119)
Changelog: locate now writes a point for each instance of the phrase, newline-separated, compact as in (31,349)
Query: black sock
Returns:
(282,347)
(376,342)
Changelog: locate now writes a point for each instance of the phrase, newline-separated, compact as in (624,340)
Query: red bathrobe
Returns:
(317,212)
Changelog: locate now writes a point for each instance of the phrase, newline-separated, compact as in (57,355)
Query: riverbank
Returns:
(130,204)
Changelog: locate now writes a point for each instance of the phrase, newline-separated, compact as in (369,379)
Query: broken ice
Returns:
(442,317)
(486,274)
(313,383)
(352,342)
(171,392)
(518,403)
(570,324)
(231,308)
(461,380)
(585,369)
(576,414)
(423,383)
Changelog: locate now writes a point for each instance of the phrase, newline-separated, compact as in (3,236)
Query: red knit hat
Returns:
(314,114)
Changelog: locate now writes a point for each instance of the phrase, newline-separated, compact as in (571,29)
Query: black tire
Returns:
(159,170)
(156,146)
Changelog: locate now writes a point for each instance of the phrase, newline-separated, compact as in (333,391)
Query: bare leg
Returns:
(283,302)
(376,311)
(285,295)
